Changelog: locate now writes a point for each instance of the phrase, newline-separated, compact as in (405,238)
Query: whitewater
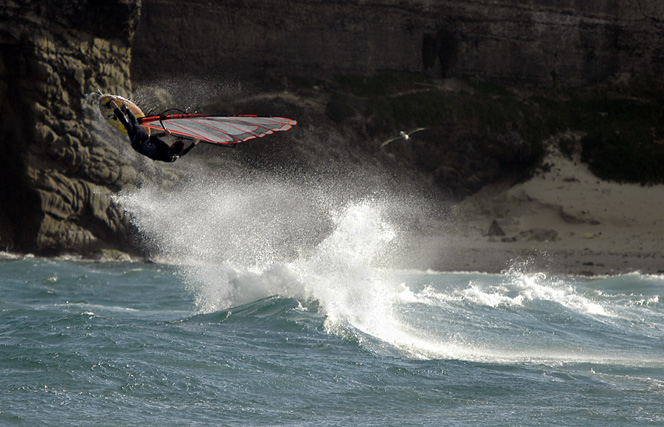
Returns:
(275,303)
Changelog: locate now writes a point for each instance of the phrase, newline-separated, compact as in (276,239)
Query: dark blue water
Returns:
(129,343)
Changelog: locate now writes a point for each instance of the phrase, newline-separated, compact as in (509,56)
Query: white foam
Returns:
(340,274)
(242,241)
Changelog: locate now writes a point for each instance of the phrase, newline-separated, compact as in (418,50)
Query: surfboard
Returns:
(106,106)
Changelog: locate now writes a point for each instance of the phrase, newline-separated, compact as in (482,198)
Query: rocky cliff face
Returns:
(569,43)
(56,179)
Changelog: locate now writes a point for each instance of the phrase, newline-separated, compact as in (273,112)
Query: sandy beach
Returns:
(564,220)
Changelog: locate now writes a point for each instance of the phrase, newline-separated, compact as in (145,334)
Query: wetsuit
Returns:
(149,145)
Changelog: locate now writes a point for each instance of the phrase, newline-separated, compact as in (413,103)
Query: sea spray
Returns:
(239,242)
(340,273)
(331,258)
(236,242)
(231,238)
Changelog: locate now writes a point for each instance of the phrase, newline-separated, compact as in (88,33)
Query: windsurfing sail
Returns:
(224,130)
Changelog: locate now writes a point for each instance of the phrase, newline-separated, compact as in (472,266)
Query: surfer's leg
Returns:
(139,131)
(137,134)
(132,118)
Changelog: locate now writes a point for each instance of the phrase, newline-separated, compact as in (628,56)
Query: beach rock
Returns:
(495,229)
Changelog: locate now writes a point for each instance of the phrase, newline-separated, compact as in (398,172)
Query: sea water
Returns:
(276,307)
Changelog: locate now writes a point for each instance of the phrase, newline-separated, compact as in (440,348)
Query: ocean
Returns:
(298,319)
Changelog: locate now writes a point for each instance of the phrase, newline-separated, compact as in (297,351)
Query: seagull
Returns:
(402,135)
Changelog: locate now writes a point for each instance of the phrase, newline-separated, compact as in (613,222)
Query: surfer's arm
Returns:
(193,144)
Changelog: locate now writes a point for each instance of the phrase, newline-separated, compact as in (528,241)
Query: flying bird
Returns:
(402,135)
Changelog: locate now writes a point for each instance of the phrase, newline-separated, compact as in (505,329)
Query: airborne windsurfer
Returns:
(151,146)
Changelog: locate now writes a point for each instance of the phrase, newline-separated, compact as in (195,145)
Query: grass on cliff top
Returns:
(623,123)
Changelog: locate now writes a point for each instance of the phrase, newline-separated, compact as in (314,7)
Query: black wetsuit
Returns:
(149,145)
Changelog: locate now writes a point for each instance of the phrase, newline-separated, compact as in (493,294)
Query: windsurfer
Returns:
(151,146)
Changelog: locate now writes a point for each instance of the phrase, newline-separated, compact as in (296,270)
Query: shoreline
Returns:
(564,262)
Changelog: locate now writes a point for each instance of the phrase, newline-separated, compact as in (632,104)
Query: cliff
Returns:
(535,42)
(56,179)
